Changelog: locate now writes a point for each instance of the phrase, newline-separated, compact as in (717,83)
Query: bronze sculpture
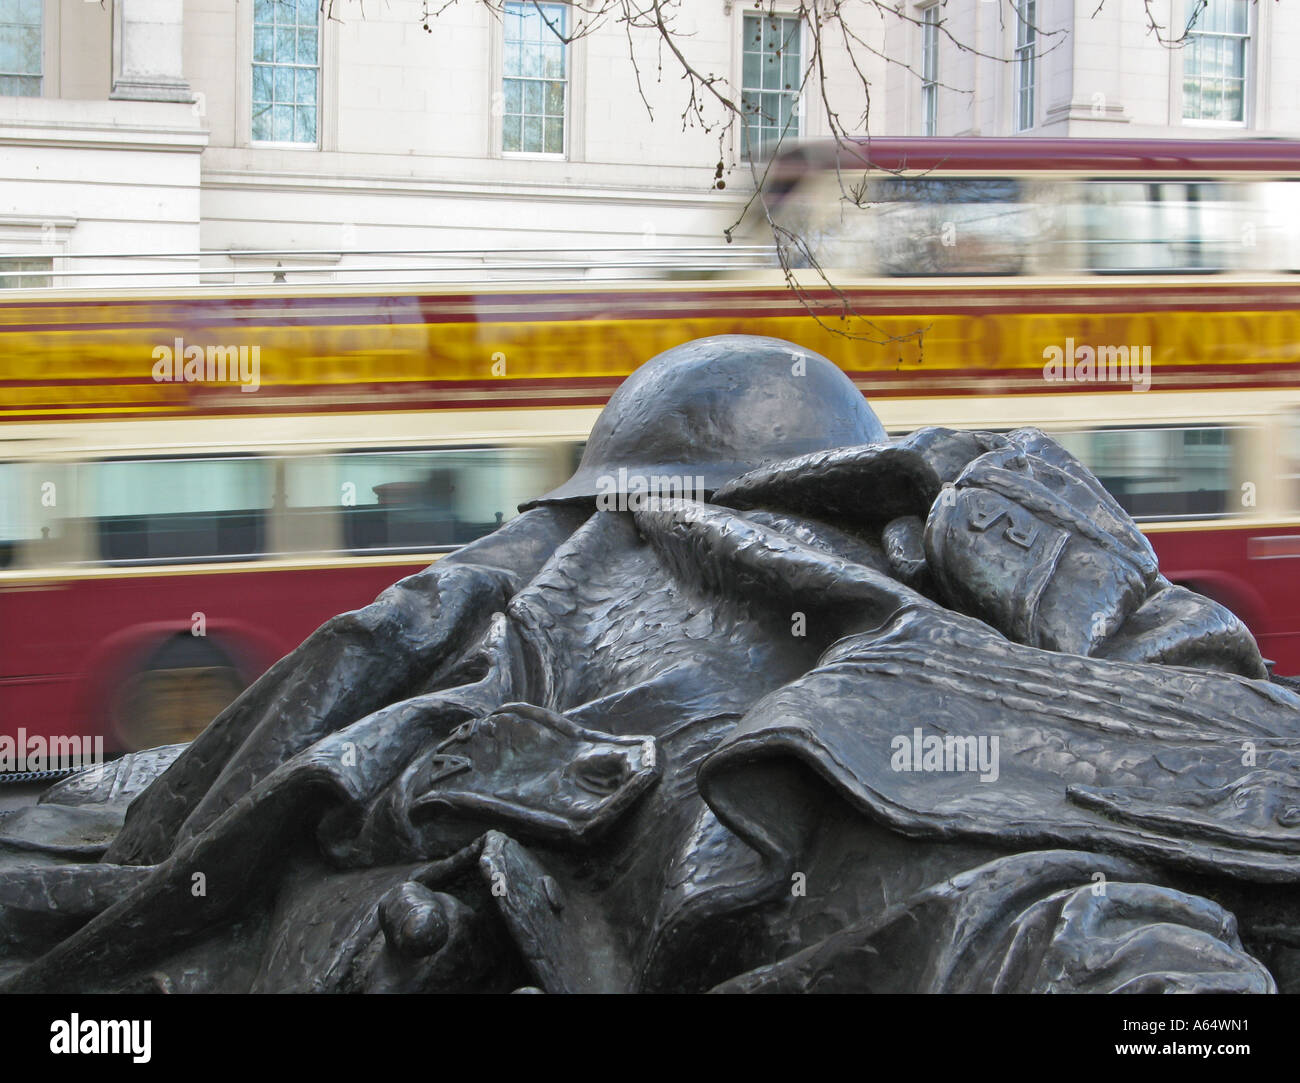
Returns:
(801,709)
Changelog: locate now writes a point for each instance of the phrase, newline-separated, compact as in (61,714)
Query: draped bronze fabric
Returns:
(884,718)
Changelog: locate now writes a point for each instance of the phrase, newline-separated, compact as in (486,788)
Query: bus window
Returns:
(37,525)
(151,511)
(1290,462)
(950,226)
(419,499)
(14,530)
(1275,230)
(911,226)
(1159,226)
(1165,473)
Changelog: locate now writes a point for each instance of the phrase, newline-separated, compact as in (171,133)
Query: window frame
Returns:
(881,206)
(1289,480)
(1247,70)
(1237,437)
(24,236)
(25,281)
(252,62)
(929,18)
(91,523)
(1204,244)
(43,58)
(799,113)
(1026,58)
(569,80)
(339,525)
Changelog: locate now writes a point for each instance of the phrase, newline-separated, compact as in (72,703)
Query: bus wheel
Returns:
(183,687)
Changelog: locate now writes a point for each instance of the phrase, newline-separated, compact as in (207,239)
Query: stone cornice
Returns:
(110,125)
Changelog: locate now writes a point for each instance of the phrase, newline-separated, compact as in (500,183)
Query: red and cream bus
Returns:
(165,534)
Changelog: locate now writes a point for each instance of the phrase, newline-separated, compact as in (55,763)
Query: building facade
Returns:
(1204,69)
(301,139)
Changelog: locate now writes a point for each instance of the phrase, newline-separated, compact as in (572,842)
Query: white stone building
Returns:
(1077,68)
(268,134)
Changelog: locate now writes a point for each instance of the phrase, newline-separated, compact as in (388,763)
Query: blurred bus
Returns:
(167,530)
(151,569)
(1165,270)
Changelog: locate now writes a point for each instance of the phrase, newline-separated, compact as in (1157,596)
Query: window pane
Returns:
(554,135)
(514,96)
(262,123)
(11,49)
(154,510)
(534,83)
(24,516)
(262,82)
(14,527)
(20,86)
(395,501)
(264,44)
(511,126)
(1290,462)
(38,504)
(770,62)
(1212,98)
(1153,227)
(531,29)
(307,46)
(532,140)
(1027,18)
(788,105)
(791,76)
(1234,100)
(306,86)
(1237,60)
(555,99)
(1214,62)
(286,39)
(282,123)
(304,129)
(20,39)
(31,273)
(928,226)
(286,82)
(1163,473)
(553,61)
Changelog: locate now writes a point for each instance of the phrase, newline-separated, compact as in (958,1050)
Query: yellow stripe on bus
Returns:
(341,356)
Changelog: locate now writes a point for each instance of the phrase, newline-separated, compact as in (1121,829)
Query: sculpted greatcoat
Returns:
(873,716)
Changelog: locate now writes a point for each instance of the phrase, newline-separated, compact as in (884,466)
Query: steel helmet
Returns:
(715,408)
